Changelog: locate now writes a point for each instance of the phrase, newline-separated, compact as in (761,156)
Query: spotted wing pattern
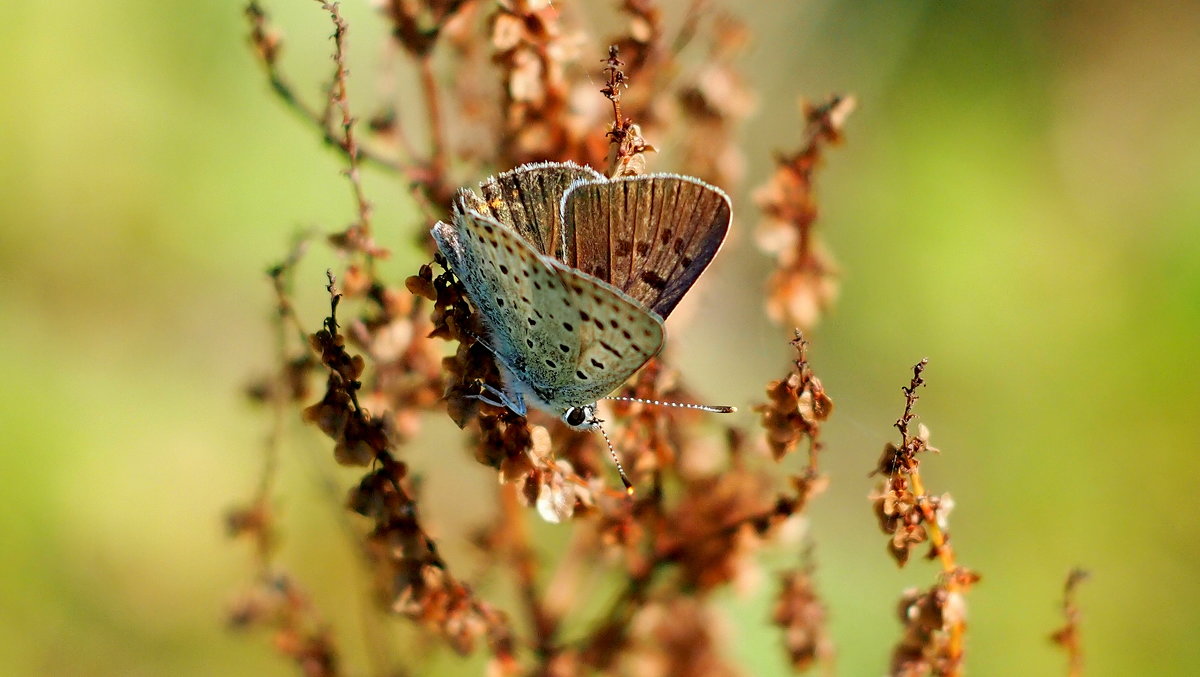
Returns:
(527,200)
(649,236)
(565,337)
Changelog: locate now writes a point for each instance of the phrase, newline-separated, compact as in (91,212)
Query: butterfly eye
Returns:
(576,417)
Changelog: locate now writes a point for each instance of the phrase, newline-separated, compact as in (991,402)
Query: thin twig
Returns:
(525,566)
(436,180)
(687,29)
(1068,636)
(614,83)
(267,48)
(910,400)
(338,100)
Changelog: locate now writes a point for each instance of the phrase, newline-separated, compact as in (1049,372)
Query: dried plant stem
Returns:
(414,573)
(267,48)
(612,91)
(809,384)
(278,393)
(934,620)
(802,287)
(939,543)
(525,567)
(645,571)
(687,29)
(1068,636)
(938,540)
(338,99)
(285,312)
(339,133)
(624,136)
(436,184)
(279,401)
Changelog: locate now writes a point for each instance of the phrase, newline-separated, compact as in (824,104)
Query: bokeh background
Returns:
(1019,201)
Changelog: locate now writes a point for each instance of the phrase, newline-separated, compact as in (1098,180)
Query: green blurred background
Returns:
(1018,202)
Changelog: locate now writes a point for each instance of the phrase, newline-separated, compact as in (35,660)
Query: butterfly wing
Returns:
(527,200)
(565,337)
(649,235)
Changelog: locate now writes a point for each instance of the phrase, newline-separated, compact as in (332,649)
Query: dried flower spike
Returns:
(803,285)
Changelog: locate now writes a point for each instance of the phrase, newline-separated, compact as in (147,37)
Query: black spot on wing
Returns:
(655,280)
(606,346)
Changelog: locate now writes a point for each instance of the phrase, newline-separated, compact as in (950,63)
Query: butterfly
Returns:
(572,274)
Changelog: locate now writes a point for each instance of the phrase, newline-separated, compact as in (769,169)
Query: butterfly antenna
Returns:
(617,461)
(715,409)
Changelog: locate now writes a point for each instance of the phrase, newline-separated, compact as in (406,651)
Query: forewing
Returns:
(649,236)
(527,199)
(568,338)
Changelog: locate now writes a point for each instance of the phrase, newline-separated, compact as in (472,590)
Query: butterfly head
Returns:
(581,418)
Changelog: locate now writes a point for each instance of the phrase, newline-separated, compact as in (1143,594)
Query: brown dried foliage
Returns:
(934,620)
(803,285)
(801,614)
(501,84)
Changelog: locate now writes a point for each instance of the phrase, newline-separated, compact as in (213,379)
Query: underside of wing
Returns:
(650,236)
(616,335)
(527,199)
(565,337)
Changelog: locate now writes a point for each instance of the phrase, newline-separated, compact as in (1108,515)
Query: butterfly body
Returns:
(572,274)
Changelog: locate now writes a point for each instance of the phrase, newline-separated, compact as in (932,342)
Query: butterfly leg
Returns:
(501,399)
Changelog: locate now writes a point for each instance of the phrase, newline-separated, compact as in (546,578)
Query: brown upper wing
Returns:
(649,236)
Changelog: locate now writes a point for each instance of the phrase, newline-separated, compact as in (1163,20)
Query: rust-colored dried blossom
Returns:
(798,406)
(714,101)
(503,440)
(411,577)
(417,25)
(903,509)
(934,620)
(453,319)
(359,437)
(654,437)
(533,50)
(802,615)
(626,136)
(278,606)
(902,516)
(803,285)
(407,363)
(637,77)
(717,526)
(677,637)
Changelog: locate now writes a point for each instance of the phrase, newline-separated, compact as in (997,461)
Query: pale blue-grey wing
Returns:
(527,200)
(565,337)
(651,236)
